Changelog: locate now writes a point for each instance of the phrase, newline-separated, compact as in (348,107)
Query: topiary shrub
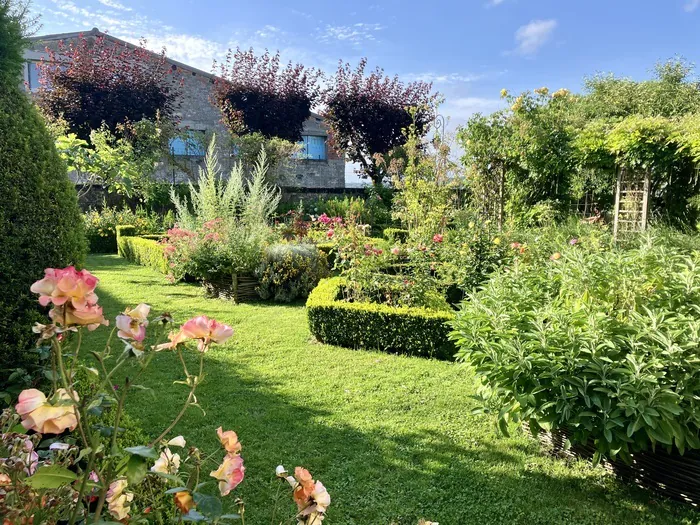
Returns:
(415,331)
(290,271)
(40,222)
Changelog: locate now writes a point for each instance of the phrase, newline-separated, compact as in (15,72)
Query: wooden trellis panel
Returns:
(631,202)
(491,194)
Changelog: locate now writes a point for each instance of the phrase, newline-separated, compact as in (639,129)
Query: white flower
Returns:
(119,500)
(178,441)
(167,463)
(59,446)
(280,471)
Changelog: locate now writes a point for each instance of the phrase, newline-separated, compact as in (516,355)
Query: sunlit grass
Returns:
(391,437)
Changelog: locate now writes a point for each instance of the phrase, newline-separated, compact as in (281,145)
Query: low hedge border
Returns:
(412,331)
(146,252)
(395,234)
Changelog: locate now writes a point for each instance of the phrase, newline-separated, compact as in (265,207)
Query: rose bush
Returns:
(61,464)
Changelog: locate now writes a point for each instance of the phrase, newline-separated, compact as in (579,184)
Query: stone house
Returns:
(318,168)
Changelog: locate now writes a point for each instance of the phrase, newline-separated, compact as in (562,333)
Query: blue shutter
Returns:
(316,147)
(188,145)
(33,76)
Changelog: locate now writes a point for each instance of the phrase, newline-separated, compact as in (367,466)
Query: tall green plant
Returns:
(237,201)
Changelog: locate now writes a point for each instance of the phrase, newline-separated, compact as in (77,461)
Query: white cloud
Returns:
(691,5)
(449,78)
(354,34)
(533,36)
(115,5)
(494,3)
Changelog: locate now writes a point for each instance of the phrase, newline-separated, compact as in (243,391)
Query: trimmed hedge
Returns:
(40,222)
(413,331)
(146,252)
(395,234)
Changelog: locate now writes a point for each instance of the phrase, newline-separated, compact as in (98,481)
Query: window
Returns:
(32,76)
(313,148)
(189,144)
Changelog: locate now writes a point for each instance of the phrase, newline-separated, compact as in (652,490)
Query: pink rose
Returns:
(438,237)
(62,285)
(229,440)
(40,415)
(207,331)
(132,323)
(396,250)
(229,474)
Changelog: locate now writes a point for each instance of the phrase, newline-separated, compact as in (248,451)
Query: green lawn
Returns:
(391,437)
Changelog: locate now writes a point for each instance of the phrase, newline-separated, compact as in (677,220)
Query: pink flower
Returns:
(438,237)
(63,285)
(573,242)
(311,497)
(396,250)
(207,331)
(90,316)
(32,459)
(132,323)
(229,440)
(229,474)
(174,339)
(40,415)
(330,233)
(338,220)
(325,219)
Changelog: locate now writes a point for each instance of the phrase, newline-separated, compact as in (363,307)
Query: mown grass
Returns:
(391,437)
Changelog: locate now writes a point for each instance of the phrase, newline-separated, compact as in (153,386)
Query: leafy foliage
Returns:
(290,271)
(101,225)
(146,252)
(600,343)
(368,114)
(257,95)
(557,147)
(93,82)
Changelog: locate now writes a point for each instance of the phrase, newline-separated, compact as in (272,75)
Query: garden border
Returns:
(405,330)
(143,251)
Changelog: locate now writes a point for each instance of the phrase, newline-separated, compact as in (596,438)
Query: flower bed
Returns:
(407,330)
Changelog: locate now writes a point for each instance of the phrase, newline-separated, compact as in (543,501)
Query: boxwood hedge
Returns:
(414,331)
(146,252)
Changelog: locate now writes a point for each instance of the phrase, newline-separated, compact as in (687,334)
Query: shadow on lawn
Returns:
(374,476)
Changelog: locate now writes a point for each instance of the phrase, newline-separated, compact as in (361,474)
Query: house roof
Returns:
(97,33)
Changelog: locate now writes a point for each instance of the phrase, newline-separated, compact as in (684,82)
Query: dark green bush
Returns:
(146,252)
(290,271)
(40,223)
(395,234)
(414,331)
(603,344)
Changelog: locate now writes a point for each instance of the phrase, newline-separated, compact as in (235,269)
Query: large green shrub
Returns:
(604,344)
(415,331)
(290,271)
(40,223)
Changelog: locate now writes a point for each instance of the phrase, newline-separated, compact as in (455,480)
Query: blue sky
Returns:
(470,49)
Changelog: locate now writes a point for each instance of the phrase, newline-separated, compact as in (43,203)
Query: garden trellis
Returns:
(631,201)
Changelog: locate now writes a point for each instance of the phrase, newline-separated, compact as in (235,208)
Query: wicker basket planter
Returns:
(236,287)
(672,475)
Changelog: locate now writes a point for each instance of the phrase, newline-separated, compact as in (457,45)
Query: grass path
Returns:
(391,437)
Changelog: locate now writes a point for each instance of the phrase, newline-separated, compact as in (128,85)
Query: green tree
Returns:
(40,223)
